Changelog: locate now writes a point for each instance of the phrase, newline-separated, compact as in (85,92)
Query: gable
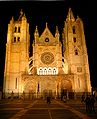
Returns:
(47,38)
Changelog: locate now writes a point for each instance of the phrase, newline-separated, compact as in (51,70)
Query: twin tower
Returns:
(57,66)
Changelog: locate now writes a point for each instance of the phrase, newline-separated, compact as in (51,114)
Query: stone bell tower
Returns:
(17,54)
(75,51)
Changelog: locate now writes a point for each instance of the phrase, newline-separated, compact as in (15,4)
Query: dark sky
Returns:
(53,12)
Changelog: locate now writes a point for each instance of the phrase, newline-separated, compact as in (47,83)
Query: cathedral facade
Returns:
(56,66)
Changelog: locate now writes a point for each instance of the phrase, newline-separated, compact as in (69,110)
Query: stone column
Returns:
(67,95)
(74,95)
(59,89)
(56,88)
(36,90)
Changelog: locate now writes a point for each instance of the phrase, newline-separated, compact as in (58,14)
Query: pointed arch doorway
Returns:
(66,89)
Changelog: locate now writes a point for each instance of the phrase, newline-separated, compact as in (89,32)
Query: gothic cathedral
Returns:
(56,65)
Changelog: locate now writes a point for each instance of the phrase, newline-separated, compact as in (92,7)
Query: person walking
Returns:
(87,103)
(48,99)
(83,98)
(12,95)
(64,99)
(92,104)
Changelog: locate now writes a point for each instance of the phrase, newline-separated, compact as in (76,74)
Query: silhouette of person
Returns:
(83,98)
(23,95)
(12,95)
(64,99)
(92,102)
(87,102)
(48,99)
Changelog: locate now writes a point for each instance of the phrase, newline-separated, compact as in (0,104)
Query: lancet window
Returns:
(73,30)
(17,29)
(47,71)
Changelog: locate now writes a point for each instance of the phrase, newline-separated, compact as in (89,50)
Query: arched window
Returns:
(74,40)
(45,71)
(14,39)
(18,29)
(54,71)
(40,72)
(18,39)
(49,71)
(76,52)
(15,29)
(73,29)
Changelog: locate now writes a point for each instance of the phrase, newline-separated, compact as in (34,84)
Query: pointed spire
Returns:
(46,24)
(70,15)
(36,31)
(78,18)
(57,32)
(21,15)
(24,17)
(12,20)
(36,34)
(57,29)
(21,12)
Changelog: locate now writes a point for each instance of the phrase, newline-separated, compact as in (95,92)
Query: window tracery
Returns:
(47,71)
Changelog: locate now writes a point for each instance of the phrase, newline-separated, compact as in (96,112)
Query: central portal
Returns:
(47,93)
(48,86)
(45,85)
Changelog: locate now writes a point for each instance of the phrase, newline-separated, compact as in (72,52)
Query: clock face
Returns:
(47,57)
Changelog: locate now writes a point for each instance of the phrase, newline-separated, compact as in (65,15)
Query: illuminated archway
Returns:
(66,84)
(41,71)
(66,89)
(29,87)
(49,70)
(45,71)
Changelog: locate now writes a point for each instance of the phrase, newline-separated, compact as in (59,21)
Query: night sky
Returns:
(55,13)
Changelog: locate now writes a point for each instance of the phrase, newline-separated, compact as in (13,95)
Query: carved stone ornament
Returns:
(47,57)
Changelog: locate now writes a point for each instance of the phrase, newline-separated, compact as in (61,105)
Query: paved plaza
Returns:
(39,109)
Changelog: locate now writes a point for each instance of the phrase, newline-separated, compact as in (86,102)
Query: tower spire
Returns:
(36,34)
(57,29)
(70,15)
(36,30)
(21,12)
(46,24)
(57,33)
(21,15)
(12,20)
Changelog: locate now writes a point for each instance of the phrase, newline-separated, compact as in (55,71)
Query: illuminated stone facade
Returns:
(56,65)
